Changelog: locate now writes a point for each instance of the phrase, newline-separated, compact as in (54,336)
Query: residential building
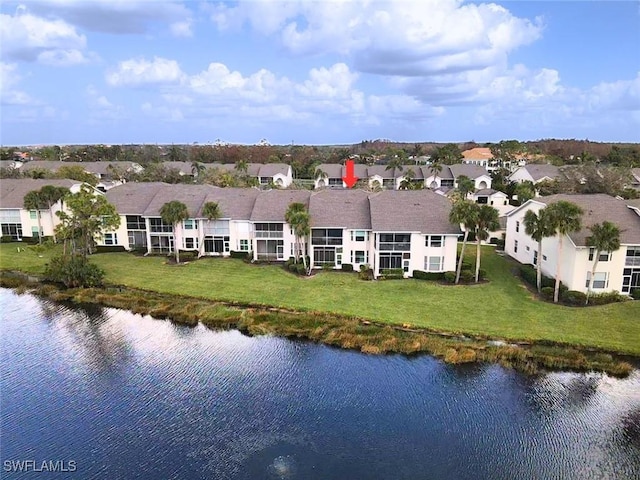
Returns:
(411,231)
(536,173)
(616,271)
(18,223)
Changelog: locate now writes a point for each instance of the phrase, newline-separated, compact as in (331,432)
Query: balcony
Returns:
(395,247)
(632,262)
(268,234)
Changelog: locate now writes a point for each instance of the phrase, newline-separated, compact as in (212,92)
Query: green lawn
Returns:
(501,308)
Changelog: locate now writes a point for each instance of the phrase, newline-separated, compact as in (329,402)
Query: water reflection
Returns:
(128,396)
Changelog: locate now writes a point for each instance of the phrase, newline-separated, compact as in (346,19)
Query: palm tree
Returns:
(321,174)
(174,212)
(565,217)
(34,201)
(538,227)
(242,166)
(394,163)
(197,169)
(212,212)
(407,180)
(464,213)
(435,168)
(605,237)
(465,185)
(297,217)
(486,221)
(51,195)
(525,191)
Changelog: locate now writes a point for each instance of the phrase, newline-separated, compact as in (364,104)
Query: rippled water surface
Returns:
(126,396)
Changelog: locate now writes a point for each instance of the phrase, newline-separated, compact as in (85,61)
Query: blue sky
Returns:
(317,72)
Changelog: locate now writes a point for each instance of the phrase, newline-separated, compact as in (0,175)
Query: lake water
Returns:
(124,396)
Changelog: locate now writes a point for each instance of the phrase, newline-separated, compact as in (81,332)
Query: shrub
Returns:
(347,267)
(5,239)
(392,273)
(188,255)
(529,275)
(636,294)
(301,270)
(467,276)
(365,273)
(449,277)
(292,267)
(432,276)
(73,271)
(482,274)
(547,293)
(327,266)
(574,297)
(238,254)
(605,298)
(110,248)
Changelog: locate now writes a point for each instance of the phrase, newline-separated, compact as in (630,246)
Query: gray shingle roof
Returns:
(271,169)
(540,170)
(332,170)
(597,209)
(134,198)
(469,170)
(193,196)
(271,205)
(417,170)
(13,191)
(411,211)
(340,209)
(184,167)
(235,203)
(382,171)
(100,167)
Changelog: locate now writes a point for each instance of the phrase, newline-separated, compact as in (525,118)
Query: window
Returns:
(137,239)
(324,256)
(633,257)
(191,243)
(33,214)
(158,225)
(335,182)
(135,222)
(395,242)
(269,230)
(600,280)
(515,246)
(359,236)
(360,256)
(190,224)
(13,230)
(433,241)
(544,258)
(339,256)
(483,200)
(110,238)
(517,226)
(604,256)
(244,245)
(326,236)
(35,232)
(527,247)
(390,260)
(535,257)
(433,264)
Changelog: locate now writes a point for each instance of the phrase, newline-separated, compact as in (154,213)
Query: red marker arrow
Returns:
(350,178)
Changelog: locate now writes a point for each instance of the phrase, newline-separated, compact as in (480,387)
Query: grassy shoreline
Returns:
(501,309)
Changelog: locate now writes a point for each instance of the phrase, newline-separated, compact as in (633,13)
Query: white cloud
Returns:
(9,79)
(137,72)
(62,58)
(27,37)
(181,29)
(119,16)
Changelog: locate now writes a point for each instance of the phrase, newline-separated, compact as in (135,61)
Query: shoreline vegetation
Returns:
(269,300)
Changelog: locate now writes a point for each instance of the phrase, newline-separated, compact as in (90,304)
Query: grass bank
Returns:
(336,330)
(501,308)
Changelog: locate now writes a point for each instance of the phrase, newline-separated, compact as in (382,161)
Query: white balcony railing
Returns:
(632,262)
(268,234)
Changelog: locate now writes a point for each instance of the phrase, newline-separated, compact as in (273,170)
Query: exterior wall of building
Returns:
(521,175)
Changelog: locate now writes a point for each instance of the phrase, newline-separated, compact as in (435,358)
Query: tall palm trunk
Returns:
(464,244)
(539,268)
(477,258)
(53,223)
(556,290)
(39,216)
(593,272)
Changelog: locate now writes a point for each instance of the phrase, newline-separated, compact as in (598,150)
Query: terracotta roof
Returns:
(598,208)
(479,153)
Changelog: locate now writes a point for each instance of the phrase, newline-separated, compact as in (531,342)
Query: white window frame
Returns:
(111,238)
(600,280)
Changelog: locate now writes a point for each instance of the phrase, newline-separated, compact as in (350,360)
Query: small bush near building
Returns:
(605,298)
(188,255)
(347,267)
(327,266)
(300,270)
(238,254)
(449,277)
(365,273)
(392,273)
(73,271)
(547,293)
(574,298)
(529,275)
(431,276)
(467,276)
(110,248)
(636,294)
